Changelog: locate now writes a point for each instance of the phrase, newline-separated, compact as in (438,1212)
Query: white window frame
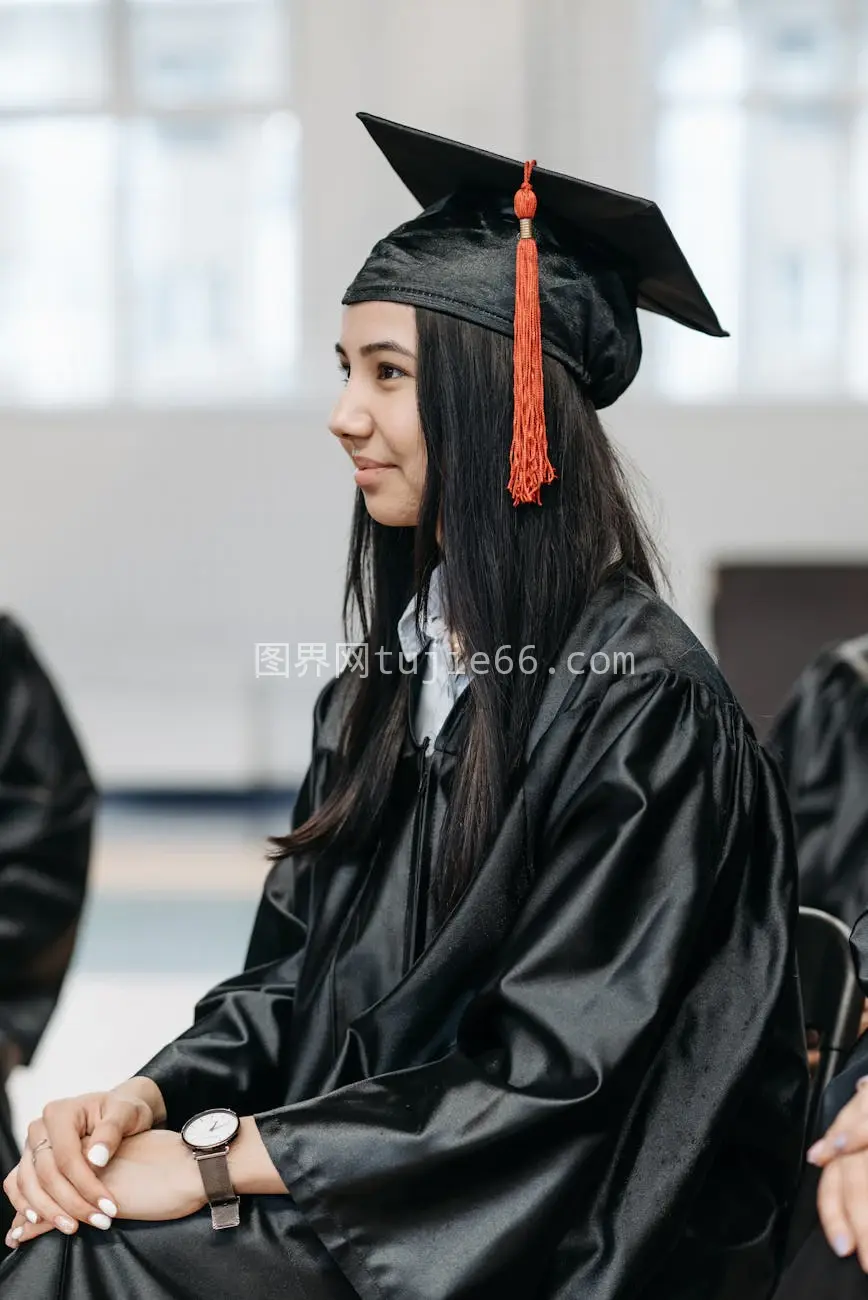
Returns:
(849,100)
(120,105)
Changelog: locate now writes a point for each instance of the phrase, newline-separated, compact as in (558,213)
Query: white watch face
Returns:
(214,1128)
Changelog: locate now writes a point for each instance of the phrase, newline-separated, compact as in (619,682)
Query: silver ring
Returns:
(39,1145)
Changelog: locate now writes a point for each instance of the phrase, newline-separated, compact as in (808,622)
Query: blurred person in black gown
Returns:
(47,804)
(520,1015)
(821,741)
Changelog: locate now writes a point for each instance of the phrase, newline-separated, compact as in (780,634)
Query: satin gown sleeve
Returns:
(634,1038)
(47,807)
(821,741)
(231,1054)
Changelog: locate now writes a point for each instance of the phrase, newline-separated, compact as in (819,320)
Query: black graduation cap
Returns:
(598,255)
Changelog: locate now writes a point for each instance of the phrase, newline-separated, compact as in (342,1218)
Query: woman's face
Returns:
(376,415)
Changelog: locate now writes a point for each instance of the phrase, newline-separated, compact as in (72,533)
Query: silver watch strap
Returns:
(225,1205)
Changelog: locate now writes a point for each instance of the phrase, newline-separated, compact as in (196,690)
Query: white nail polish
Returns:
(31,1216)
(16,1234)
(101,1221)
(108,1207)
(99,1155)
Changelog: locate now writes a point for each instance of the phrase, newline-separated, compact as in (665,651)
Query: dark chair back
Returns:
(831,998)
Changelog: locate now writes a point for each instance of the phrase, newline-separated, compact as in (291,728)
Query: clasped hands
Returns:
(93,1158)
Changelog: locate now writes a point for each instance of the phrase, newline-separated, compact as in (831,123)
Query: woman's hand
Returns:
(842,1197)
(153,1176)
(55,1183)
(842,1204)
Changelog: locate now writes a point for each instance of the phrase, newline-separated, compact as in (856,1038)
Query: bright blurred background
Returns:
(184,195)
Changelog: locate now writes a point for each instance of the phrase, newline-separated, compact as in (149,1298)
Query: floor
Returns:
(172,899)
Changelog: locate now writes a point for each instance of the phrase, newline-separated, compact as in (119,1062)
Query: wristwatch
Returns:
(208,1135)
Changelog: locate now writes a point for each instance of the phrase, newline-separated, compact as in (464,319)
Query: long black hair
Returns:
(512,577)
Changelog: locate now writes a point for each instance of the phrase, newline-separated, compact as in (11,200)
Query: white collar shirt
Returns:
(444,678)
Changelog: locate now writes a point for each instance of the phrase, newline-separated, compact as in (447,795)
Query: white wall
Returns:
(150,552)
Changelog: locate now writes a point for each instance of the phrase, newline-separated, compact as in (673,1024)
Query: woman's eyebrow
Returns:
(384,345)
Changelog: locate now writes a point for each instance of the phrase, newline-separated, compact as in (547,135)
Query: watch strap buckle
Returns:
(226,1214)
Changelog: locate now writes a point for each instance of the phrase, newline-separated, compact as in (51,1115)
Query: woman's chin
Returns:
(390,514)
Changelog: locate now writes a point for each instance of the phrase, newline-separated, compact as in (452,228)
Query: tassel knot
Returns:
(525,199)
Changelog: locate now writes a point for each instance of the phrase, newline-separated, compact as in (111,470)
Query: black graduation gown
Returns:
(821,740)
(598,1094)
(47,804)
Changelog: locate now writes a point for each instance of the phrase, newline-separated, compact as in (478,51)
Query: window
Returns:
(148,203)
(762,158)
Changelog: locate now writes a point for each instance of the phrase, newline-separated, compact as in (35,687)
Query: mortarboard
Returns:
(558,264)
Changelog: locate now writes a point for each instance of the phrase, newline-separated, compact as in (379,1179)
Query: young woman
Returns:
(520,1014)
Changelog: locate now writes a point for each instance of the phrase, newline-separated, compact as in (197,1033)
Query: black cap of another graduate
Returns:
(559,264)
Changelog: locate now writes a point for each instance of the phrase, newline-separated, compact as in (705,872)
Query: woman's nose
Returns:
(349,419)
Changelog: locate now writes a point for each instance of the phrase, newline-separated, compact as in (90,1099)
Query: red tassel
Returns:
(528,458)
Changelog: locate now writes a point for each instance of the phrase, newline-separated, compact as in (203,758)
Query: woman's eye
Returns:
(390,372)
(345,373)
